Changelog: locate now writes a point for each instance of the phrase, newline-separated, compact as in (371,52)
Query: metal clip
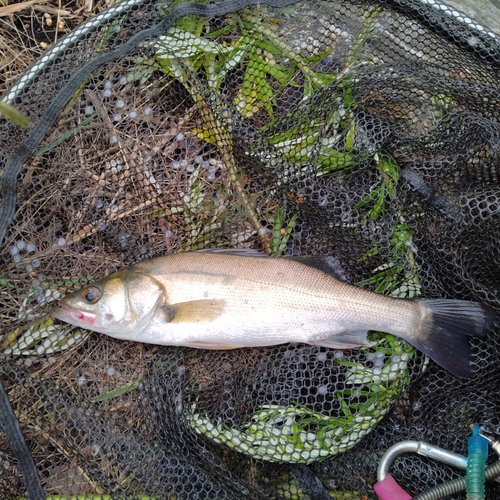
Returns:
(424,449)
(494,443)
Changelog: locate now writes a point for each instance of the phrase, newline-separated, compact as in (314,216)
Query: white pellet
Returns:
(148,110)
(111,371)
(107,93)
(180,137)
(198,160)
(80,381)
(120,103)
(30,247)
(116,169)
(89,110)
(61,242)
(190,168)
(322,389)
(113,139)
(95,449)
(117,117)
(473,41)
(123,239)
(133,114)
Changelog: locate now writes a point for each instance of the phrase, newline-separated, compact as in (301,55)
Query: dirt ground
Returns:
(29,28)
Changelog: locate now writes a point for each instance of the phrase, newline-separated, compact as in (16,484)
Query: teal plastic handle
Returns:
(476,465)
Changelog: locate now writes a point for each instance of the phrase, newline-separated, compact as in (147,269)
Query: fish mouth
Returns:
(70,314)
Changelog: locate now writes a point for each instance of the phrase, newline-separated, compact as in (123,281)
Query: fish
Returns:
(236,299)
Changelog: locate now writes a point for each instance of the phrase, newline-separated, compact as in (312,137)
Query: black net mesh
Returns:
(367,131)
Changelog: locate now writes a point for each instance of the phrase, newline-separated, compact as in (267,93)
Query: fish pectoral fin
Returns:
(169,313)
(194,311)
(344,340)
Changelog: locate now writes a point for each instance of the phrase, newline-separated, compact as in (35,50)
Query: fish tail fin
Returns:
(444,333)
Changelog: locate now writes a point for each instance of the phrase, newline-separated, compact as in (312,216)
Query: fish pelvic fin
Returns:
(194,311)
(444,333)
(214,346)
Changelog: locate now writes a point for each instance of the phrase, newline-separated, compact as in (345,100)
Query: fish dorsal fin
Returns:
(326,263)
(194,311)
(243,252)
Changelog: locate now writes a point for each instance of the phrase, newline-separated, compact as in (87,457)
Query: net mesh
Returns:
(367,131)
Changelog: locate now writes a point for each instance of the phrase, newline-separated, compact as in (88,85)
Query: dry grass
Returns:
(63,433)
(29,28)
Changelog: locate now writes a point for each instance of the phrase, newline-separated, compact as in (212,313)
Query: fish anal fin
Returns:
(345,340)
(194,311)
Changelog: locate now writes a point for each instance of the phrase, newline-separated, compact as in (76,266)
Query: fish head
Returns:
(119,305)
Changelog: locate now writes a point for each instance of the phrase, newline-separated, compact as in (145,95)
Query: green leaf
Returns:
(183,44)
(12,114)
(119,391)
(66,135)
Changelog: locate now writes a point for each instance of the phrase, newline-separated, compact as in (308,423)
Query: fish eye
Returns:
(91,294)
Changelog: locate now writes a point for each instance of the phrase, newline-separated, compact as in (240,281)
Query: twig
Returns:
(143,175)
(8,10)
(225,146)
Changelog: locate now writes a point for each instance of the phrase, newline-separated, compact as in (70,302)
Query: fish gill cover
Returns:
(366,131)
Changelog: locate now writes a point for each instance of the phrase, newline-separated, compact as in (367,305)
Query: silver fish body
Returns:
(214,300)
